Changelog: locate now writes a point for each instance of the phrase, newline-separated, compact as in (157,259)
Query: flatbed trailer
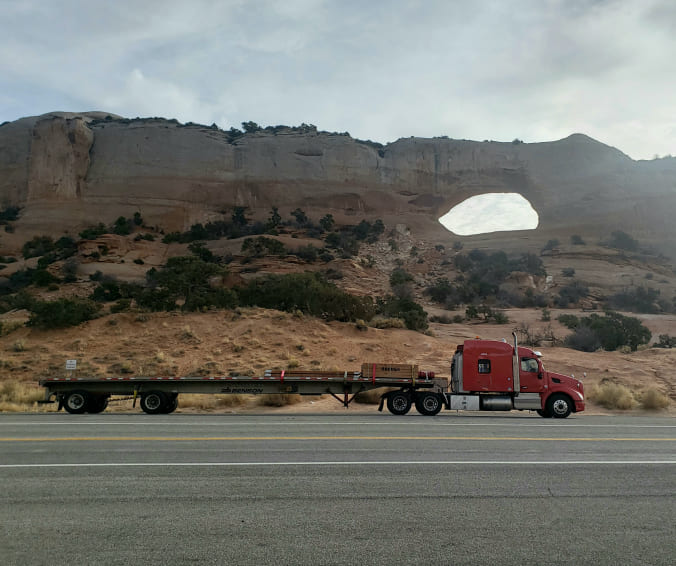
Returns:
(159,395)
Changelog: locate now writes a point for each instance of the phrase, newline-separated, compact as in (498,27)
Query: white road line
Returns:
(362,463)
(407,424)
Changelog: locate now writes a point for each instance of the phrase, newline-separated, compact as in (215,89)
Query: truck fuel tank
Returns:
(496,403)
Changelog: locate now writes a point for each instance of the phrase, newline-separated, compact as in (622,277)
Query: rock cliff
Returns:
(68,171)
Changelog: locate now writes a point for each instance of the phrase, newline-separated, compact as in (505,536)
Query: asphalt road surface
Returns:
(458,488)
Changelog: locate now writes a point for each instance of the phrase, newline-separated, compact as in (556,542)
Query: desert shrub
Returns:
(309,293)
(568,272)
(622,241)
(38,246)
(611,396)
(388,323)
(551,244)
(638,299)
(9,214)
(400,276)
(665,341)
(569,320)
(653,400)
(94,232)
(260,246)
(413,315)
(308,253)
(609,332)
(62,313)
(121,305)
(572,294)
(442,319)
(583,339)
(577,240)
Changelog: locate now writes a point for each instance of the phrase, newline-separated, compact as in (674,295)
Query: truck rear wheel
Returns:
(399,403)
(76,402)
(428,404)
(97,403)
(153,402)
(171,404)
(559,406)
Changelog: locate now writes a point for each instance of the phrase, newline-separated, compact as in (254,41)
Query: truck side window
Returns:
(484,366)
(529,364)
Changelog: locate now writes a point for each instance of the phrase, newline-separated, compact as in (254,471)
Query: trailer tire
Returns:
(153,402)
(76,402)
(399,403)
(171,404)
(97,404)
(559,406)
(428,404)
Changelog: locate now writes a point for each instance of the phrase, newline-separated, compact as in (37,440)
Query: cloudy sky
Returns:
(537,70)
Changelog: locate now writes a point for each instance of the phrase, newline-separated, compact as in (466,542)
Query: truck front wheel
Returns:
(399,403)
(153,402)
(428,404)
(559,406)
(544,414)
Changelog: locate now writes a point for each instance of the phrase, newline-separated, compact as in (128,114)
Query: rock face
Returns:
(68,171)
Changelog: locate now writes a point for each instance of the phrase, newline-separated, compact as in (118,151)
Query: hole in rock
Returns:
(490,212)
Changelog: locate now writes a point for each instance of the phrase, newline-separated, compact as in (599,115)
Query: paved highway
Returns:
(336,489)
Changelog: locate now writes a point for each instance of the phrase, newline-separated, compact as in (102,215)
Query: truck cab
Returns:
(501,376)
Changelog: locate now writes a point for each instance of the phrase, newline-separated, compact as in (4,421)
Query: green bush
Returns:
(61,313)
(38,246)
(261,246)
(400,276)
(308,293)
(413,315)
(622,241)
(609,332)
(639,299)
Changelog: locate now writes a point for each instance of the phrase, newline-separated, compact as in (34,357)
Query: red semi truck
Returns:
(486,375)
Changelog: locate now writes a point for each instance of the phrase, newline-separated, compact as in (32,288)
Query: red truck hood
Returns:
(565,382)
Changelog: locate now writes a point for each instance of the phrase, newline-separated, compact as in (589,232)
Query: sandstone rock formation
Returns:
(68,171)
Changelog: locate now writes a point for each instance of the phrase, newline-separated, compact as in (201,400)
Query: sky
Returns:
(536,70)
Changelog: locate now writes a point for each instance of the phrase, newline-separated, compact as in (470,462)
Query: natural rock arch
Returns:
(491,212)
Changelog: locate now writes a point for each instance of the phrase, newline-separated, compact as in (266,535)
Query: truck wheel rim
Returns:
(153,402)
(431,403)
(560,406)
(76,401)
(399,403)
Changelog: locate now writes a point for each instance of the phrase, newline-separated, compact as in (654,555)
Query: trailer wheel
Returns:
(153,402)
(171,405)
(76,402)
(559,406)
(97,403)
(428,404)
(544,414)
(399,403)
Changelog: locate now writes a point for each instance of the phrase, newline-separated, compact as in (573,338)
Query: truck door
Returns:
(531,376)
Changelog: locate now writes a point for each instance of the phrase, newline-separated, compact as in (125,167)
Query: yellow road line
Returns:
(253,438)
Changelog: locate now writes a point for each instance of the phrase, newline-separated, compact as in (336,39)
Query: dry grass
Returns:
(371,397)
(612,395)
(654,400)
(210,402)
(18,396)
(279,400)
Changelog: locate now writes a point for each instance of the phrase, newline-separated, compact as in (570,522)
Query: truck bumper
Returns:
(579,406)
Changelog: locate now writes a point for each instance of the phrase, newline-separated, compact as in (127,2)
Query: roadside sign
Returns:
(71,364)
